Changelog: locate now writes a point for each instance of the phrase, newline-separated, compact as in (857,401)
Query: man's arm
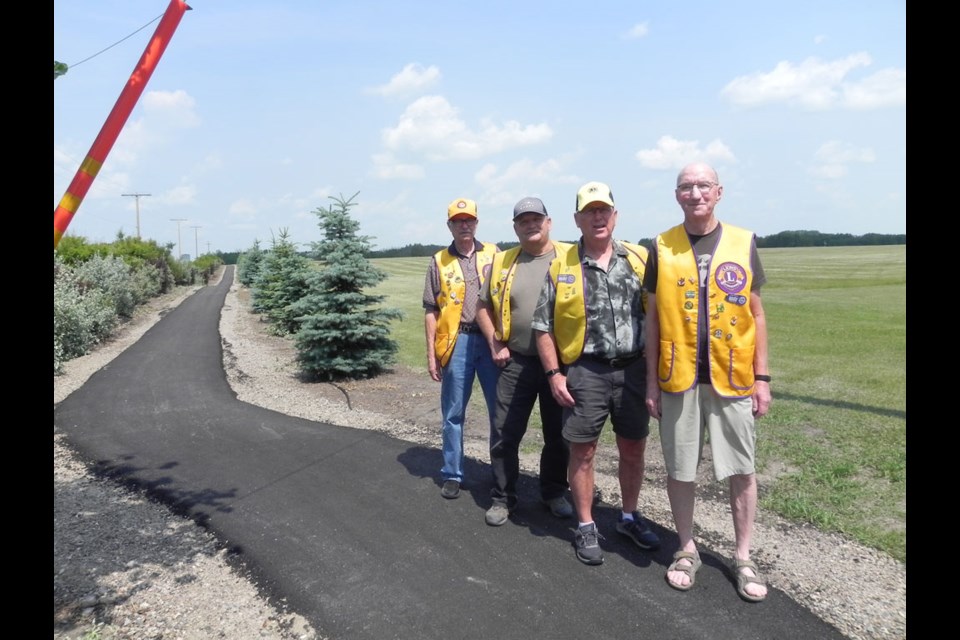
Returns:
(547,350)
(431,315)
(430,329)
(499,350)
(652,348)
(761,389)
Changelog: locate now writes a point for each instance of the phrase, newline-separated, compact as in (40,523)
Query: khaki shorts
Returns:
(687,417)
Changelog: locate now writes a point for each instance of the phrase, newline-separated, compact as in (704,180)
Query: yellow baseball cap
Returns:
(594,192)
(462,206)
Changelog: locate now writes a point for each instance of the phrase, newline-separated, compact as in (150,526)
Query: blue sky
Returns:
(258,112)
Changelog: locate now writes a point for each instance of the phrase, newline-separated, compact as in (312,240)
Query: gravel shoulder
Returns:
(128,568)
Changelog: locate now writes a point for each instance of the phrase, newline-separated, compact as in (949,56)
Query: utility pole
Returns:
(196,249)
(137,196)
(179,246)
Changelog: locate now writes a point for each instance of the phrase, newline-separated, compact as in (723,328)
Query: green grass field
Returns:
(832,451)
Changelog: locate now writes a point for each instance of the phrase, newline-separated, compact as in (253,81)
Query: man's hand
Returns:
(433,366)
(653,400)
(761,398)
(500,353)
(558,387)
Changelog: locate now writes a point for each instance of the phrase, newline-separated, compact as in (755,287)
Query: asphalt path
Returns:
(348,527)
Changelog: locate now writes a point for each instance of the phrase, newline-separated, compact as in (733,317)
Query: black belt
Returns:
(617,363)
(469,328)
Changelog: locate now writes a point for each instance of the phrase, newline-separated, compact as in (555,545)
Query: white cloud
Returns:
(834,157)
(414,78)
(184,194)
(638,30)
(175,109)
(386,167)
(503,187)
(211,161)
(242,208)
(671,153)
(819,39)
(163,113)
(815,84)
(886,88)
(432,126)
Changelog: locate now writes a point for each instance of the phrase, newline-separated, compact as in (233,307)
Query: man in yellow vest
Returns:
(707,367)
(457,352)
(506,311)
(589,324)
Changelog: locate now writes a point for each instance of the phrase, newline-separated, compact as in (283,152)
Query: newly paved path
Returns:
(349,527)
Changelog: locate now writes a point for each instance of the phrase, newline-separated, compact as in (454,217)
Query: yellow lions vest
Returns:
(570,309)
(453,288)
(732,332)
(501,282)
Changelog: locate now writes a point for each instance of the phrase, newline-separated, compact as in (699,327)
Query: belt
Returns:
(469,328)
(617,363)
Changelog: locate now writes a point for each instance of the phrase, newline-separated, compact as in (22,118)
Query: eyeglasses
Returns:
(466,221)
(602,210)
(687,188)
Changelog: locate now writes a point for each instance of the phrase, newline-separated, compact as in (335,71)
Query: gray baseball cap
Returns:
(529,205)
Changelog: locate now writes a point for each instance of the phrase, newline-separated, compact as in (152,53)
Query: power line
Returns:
(117,42)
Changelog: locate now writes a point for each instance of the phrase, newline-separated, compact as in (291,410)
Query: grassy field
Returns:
(834,443)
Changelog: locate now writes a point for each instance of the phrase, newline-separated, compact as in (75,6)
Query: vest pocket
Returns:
(668,354)
(442,346)
(740,371)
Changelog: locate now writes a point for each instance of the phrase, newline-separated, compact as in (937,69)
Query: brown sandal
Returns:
(690,570)
(743,579)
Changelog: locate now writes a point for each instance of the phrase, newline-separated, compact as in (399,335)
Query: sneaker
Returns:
(559,507)
(497,514)
(639,531)
(587,543)
(450,490)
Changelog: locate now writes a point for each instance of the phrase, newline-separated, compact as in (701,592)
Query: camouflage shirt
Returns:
(614,306)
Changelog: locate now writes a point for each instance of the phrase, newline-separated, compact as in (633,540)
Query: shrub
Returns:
(112,277)
(82,316)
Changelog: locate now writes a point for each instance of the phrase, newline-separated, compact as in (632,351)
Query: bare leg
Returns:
(630,471)
(743,505)
(581,478)
(682,497)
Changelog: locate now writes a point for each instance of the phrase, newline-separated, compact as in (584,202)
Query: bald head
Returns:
(698,169)
(698,192)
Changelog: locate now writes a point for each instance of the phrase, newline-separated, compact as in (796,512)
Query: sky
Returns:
(259,113)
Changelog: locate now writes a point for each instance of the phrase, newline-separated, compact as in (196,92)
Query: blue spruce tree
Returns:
(281,281)
(343,332)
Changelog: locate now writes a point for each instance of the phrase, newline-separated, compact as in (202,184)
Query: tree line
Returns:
(782,239)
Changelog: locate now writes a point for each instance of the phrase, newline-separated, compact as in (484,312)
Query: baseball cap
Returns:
(529,205)
(594,192)
(462,206)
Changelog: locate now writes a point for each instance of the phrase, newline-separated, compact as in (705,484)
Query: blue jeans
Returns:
(471,357)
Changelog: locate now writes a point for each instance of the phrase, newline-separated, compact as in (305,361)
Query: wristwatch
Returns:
(552,372)
(762,377)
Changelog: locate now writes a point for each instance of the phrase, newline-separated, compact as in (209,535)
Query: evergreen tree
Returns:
(281,282)
(249,263)
(343,333)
